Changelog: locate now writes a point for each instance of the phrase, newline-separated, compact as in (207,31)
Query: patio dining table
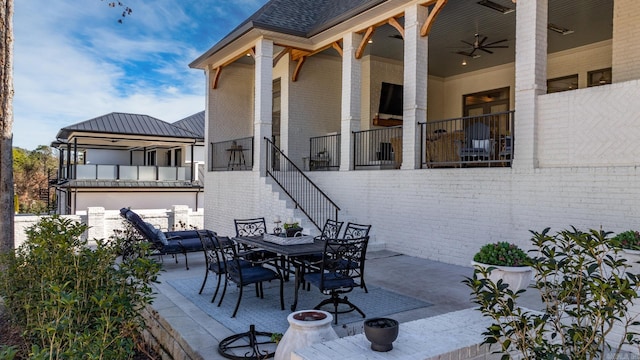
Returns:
(285,252)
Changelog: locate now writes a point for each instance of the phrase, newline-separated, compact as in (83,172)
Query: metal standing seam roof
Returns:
(193,123)
(127,124)
(303,18)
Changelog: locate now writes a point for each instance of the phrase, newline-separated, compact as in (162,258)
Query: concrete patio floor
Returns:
(434,282)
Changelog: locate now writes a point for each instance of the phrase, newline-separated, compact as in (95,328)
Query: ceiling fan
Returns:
(480,43)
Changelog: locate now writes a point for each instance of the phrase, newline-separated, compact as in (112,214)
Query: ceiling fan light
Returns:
(495,6)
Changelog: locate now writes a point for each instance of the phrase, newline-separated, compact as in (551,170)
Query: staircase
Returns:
(306,195)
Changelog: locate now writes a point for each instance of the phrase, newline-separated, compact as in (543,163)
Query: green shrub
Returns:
(75,301)
(501,254)
(587,294)
(629,239)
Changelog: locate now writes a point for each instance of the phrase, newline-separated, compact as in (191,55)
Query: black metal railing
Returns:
(324,152)
(305,194)
(230,155)
(378,148)
(484,140)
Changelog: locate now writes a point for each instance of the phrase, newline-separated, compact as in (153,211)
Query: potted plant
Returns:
(292,229)
(504,261)
(587,298)
(629,242)
(382,332)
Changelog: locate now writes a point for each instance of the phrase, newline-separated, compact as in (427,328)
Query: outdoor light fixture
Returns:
(495,6)
(464,62)
(370,41)
(559,29)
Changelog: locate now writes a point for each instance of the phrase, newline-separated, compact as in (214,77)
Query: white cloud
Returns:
(73,61)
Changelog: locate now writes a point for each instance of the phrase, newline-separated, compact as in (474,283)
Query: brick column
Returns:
(531,78)
(263,102)
(351,98)
(95,221)
(180,215)
(625,41)
(415,84)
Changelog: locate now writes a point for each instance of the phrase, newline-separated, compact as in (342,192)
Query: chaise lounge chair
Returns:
(164,242)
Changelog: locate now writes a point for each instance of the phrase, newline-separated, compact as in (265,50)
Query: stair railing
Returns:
(305,194)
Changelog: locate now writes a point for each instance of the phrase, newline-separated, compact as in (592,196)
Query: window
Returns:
(177,157)
(599,77)
(564,83)
(151,158)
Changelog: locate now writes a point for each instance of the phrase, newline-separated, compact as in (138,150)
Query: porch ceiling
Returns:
(590,20)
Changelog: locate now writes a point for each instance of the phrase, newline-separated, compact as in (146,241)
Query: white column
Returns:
(415,84)
(531,78)
(96,223)
(263,102)
(351,97)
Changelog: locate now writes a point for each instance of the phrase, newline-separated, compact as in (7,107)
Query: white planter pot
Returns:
(518,277)
(306,327)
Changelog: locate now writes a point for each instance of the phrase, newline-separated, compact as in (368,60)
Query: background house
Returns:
(129,160)
(554,83)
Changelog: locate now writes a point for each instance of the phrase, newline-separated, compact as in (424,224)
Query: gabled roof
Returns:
(193,123)
(127,124)
(303,18)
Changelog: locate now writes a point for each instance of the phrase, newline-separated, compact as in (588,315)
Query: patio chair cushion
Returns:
(190,244)
(255,274)
(332,280)
(159,235)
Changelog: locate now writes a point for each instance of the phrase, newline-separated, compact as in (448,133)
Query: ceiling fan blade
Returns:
(495,42)
(485,50)
(482,41)
(469,54)
(468,43)
(496,47)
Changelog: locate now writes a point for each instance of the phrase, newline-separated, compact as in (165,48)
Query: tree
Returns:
(6,120)
(31,170)
(6,126)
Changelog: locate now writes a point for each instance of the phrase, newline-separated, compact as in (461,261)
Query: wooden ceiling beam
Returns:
(216,77)
(282,53)
(296,72)
(336,45)
(394,22)
(365,40)
(426,28)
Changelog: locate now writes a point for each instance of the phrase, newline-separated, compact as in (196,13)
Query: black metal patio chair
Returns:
(338,269)
(330,230)
(243,275)
(215,258)
(353,231)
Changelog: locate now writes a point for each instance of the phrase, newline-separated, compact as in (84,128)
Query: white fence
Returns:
(103,222)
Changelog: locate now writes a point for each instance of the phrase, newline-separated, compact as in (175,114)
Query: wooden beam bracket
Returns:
(426,28)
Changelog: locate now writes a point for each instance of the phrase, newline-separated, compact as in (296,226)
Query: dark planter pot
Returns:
(382,332)
(291,232)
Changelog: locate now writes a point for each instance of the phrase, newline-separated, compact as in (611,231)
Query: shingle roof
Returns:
(303,18)
(193,123)
(127,124)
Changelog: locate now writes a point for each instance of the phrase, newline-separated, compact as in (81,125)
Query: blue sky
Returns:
(73,61)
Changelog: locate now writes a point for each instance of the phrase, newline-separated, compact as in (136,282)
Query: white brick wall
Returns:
(103,222)
(447,214)
(597,126)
